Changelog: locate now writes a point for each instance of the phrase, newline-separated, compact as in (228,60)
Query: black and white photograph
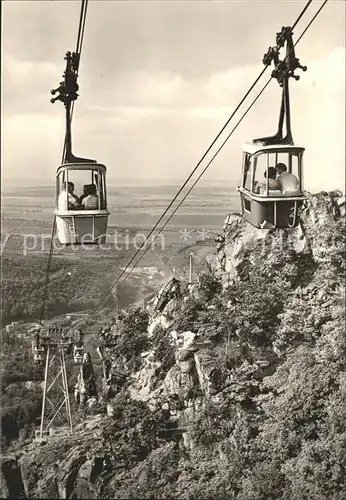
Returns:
(173,243)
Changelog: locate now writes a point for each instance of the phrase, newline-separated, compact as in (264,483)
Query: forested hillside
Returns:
(75,284)
(234,387)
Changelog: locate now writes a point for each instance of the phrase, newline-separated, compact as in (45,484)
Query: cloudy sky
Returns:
(159,79)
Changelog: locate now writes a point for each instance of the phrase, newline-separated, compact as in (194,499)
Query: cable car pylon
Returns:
(56,406)
(54,350)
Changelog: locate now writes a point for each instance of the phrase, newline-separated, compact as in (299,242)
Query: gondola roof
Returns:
(256,147)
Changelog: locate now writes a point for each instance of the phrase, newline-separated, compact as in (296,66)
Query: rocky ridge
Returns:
(235,388)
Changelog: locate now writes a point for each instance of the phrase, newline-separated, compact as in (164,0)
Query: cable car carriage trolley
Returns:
(78,349)
(271,204)
(57,338)
(81,218)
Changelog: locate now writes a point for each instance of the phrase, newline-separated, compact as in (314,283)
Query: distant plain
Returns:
(29,209)
(80,277)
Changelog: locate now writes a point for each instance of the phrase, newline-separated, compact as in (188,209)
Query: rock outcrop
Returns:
(317,235)
(236,390)
(85,389)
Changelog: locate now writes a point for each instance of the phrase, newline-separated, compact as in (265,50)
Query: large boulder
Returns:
(317,234)
(145,380)
(85,388)
(179,379)
(207,371)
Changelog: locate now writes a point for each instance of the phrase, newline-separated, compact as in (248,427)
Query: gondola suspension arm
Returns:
(283,71)
(68,88)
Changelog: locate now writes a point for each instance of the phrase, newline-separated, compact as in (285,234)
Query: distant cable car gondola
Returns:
(78,353)
(37,348)
(274,203)
(81,218)
(78,349)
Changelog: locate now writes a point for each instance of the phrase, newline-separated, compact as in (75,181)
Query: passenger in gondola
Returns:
(273,183)
(71,202)
(288,182)
(91,201)
(85,192)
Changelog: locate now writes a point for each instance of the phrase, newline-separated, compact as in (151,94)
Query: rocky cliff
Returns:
(232,388)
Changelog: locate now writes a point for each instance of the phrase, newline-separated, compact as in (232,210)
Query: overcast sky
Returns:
(159,79)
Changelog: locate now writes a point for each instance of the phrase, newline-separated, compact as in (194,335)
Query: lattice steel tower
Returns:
(56,402)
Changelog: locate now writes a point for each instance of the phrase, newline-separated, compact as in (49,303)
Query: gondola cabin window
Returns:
(276,174)
(247,171)
(81,188)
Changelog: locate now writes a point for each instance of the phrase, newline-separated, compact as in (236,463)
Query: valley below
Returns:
(229,383)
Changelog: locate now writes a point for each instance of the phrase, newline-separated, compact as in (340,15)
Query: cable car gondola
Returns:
(273,203)
(78,223)
(78,349)
(38,349)
(78,353)
(82,216)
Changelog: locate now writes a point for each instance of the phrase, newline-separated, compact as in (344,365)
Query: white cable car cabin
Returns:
(81,203)
(262,206)
(39,355)
(37,348)
(78,353)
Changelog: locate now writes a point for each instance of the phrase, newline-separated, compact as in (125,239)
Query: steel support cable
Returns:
(81,25)
(185,183)
(211,145)
(197,180)
(79,45)
(104,300)
(45,287)
(222,145)
(220,148)
(80,37)
(301,14)
(310,23)
(201,160)
(199,163)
